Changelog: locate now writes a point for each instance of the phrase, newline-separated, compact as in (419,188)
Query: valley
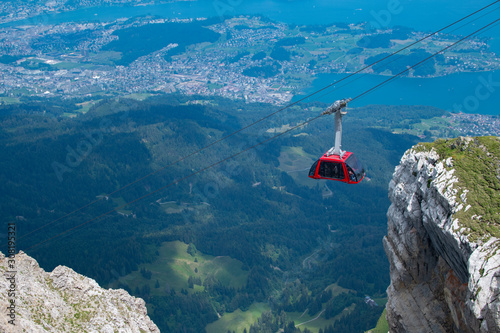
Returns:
(146,145)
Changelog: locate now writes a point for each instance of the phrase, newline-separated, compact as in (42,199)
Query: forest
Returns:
(402,62)
(294,236)
(135,42)
(266,70)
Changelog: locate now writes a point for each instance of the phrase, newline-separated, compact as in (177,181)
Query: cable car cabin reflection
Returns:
(346,169)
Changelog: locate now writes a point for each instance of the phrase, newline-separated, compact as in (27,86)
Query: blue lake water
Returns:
(421,14)
(466,92)
(424,15)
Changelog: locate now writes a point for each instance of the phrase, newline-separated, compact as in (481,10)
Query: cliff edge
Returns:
(64,301)
(443,238)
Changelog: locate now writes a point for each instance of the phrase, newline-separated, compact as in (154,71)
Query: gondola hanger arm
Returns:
(338,105)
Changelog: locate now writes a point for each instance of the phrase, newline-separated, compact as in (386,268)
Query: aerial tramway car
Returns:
(337,164)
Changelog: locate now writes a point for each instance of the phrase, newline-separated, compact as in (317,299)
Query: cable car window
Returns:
(331,170)
(313,169)
(352,175)
(353,163)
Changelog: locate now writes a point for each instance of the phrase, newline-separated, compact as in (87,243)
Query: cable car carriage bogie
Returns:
(337,164)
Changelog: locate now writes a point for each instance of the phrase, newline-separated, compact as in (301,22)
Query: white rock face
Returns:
(65,301)
(440,281)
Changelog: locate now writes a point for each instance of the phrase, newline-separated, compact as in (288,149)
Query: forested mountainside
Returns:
(302,246)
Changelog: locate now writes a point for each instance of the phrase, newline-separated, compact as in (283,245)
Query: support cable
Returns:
(267,140)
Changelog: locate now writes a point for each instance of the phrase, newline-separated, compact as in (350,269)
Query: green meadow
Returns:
(382,325)
(120,202)
(314,323)
(296,162)
(9,100)
(174,265)
(238,320)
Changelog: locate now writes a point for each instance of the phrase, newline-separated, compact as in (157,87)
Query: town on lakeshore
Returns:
(245,57)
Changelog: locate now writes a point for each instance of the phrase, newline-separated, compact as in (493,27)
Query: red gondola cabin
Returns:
(345,168)
(337,164)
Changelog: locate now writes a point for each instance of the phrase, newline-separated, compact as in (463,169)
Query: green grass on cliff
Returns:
(382,324)
(477,166)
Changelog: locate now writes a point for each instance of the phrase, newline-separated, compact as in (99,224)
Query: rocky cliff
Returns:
(64,301)
(443,238)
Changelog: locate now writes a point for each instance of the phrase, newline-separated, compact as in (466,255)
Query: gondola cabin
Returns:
(337,164)
(344,168)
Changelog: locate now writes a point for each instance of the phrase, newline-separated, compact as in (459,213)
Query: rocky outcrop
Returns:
(444,256)
(65,301)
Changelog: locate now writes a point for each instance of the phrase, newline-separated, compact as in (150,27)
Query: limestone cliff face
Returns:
(65,301)
(444,256)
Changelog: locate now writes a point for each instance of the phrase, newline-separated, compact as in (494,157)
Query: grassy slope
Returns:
(477,166)
(9,100)
(437,126)
(238,320)
(174,266)
(296,162)
(382,325)
(314,323)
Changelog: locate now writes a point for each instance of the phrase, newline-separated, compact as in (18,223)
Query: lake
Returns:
(468,92)
(427,15)
(412,13)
